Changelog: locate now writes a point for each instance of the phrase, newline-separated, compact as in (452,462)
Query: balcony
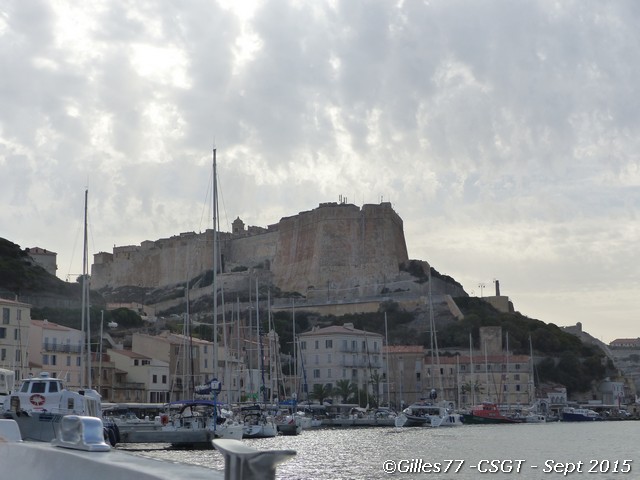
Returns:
(62,348)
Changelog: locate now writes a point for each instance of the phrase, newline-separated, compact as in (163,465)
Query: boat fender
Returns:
(164,419)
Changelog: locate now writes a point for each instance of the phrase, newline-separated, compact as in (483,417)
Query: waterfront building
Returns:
(14,336)
(191,363)
(147,379)
(56,349)
(342,352)
(406,374)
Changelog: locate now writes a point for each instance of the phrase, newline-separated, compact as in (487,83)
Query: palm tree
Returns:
(375,380)
(320,392)
(344,389)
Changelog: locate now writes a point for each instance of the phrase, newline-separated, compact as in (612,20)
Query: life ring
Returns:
(37,400)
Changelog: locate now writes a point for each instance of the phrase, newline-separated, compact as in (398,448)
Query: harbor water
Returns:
(593,450)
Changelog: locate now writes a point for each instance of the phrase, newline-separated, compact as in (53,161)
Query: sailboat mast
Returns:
(386,341)
(86,332)
(214,196)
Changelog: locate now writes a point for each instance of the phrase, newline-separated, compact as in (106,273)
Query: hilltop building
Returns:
(45,258)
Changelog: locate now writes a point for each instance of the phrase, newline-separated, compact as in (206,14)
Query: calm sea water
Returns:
(595,450)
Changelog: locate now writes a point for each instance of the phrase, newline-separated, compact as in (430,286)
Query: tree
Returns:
(320,392)
(344,389)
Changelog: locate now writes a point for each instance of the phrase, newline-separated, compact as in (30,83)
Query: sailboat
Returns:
(257,421)
(40,403)
(431,412)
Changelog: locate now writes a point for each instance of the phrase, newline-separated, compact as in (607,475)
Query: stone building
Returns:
(45,258)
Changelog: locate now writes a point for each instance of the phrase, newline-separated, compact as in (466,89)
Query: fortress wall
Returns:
(339,247)
(251,250)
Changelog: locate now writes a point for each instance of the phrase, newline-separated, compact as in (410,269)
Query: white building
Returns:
(14,336)
(342,352)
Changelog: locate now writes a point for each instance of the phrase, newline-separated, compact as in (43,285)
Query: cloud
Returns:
(504,134)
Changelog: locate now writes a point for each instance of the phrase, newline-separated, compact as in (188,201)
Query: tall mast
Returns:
(85,375)
(215,267)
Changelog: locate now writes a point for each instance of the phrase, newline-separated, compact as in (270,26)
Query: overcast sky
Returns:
(505,133)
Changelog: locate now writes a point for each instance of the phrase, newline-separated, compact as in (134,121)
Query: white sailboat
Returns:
(431,412)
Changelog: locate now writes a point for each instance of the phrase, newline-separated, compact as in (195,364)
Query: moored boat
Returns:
(571,414)
(189,423)
(487,412)
(40,403)
(426,414)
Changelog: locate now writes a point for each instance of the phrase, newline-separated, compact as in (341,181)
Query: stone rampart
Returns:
(336,248)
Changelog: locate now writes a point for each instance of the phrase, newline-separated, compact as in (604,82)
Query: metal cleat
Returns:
(242,462)
(81,433)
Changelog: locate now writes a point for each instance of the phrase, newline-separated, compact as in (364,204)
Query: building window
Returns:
(164,379)
(517,388)
(18,354)
(136,362)
(517,366)
(155,378)
(317,343)
(516,376)
(6,315)
(3,354)
(328,344)
(344,345)
(146,362)
(316,373)
(45,359)
(328,373)
(78,361)
(53,360)
(317,359)
(16,334)
(344,373)
(206,363)
(303,345)
(18,314)
(418,376)
(328,358)
(3,332)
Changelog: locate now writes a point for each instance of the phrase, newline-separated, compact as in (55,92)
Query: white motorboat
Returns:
(40,403)
(425,414)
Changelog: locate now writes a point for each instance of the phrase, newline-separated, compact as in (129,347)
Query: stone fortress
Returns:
(337,252)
